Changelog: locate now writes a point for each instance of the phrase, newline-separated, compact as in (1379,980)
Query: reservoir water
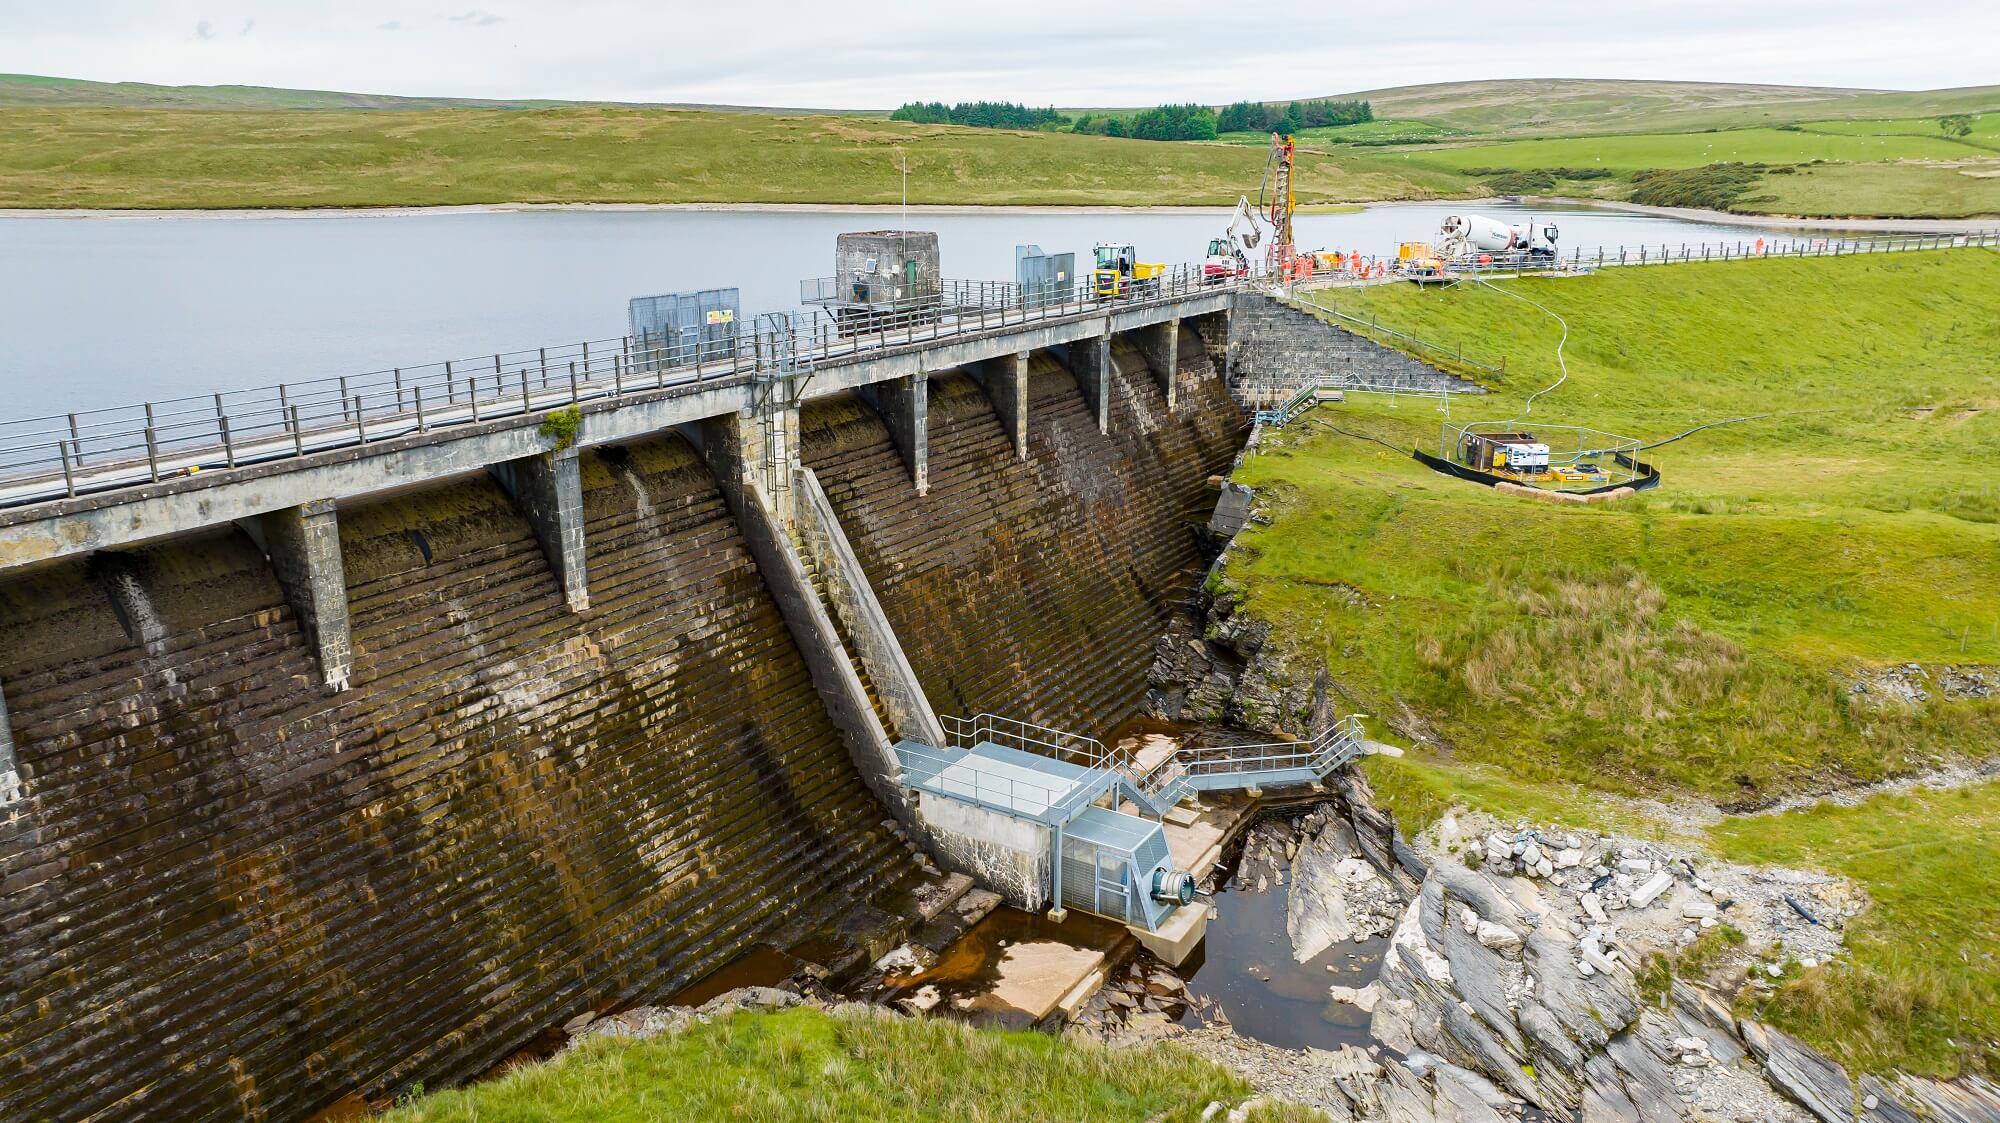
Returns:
(113,310)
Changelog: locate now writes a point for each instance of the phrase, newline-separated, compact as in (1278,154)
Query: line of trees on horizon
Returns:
(1267,117)
(1187,121)
(978,114)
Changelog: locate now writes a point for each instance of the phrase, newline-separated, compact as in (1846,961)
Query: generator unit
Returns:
(1521,456)
(1116,865)
(1491,452)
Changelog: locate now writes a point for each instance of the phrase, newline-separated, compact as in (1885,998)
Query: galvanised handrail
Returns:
(1003,793)
(1012,733)
(106,449)
(1319,754)
(1450,354)
(1166,782)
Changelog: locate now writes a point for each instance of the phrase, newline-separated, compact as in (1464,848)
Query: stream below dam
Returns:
(114,310)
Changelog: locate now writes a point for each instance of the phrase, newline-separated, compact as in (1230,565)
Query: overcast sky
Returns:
(879,53)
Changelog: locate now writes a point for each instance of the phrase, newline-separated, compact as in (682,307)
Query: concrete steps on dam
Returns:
(823,590)
(514,813)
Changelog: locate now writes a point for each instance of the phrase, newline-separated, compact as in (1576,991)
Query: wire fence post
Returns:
(298,438)
(152,445)
(422,425)
(69,478)
(222,423)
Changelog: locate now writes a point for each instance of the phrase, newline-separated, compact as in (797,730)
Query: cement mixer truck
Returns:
(1467,236)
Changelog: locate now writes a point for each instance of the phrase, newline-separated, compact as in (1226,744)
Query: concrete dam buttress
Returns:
(361,767)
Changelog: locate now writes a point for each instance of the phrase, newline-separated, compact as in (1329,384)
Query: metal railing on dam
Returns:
(101,450)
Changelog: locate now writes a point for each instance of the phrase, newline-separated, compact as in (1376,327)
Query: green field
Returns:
(802,1065)
(1902,168)
(1952,189)
(172,158)
(69,143)
(1564,106)
(1370,133)
(1627,154)
(1781,557)
(1985,127)
(1700,639)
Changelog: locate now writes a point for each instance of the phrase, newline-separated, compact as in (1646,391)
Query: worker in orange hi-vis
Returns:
(1760,247)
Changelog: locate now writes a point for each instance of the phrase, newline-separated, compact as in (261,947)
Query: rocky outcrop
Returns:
(1221,668)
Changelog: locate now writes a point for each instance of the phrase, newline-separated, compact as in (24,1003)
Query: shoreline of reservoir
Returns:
(1691,214)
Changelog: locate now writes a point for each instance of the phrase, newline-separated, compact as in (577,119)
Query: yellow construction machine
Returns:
(1119,273)
(1419,259)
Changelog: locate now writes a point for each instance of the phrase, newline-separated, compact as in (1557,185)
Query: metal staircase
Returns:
(1308,396)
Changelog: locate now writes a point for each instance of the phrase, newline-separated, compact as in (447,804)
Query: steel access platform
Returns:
(1051,814)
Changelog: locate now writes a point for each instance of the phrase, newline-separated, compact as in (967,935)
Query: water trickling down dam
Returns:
(363,768)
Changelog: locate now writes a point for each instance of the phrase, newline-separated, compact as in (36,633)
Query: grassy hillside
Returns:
(69,143)
(1548,107)
(1902,167)
(805,1065)
(1703,638)
(40,90)
(167,158)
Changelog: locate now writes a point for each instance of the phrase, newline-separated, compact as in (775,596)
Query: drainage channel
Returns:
(1245,970)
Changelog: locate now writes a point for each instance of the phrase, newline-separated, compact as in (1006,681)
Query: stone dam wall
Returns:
(1273,349)
(231,894)
(1035,588)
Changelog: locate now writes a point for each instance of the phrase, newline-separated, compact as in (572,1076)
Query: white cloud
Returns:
(801,53)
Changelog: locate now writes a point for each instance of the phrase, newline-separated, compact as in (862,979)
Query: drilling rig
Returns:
(1275,204)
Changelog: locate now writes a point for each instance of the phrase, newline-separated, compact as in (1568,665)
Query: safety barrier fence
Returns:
(1087,753)
(1191,767)
(1318,754)
(96,450)
(1580,260)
